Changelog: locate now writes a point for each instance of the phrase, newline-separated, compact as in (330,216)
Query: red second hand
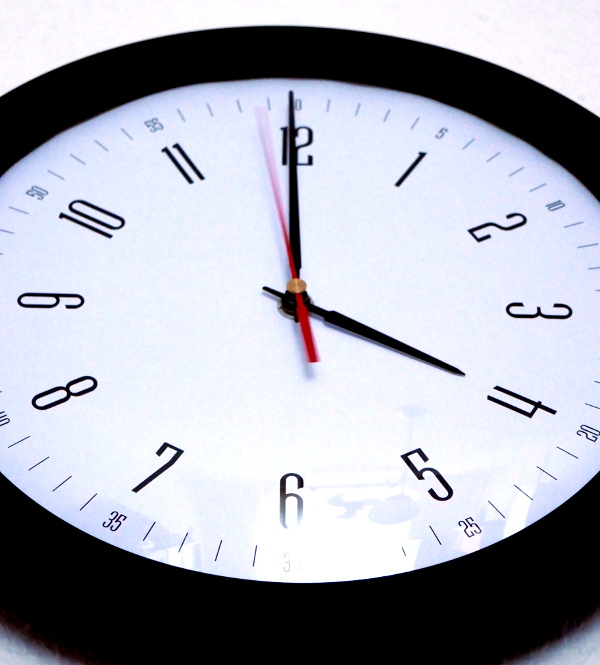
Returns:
(301,311)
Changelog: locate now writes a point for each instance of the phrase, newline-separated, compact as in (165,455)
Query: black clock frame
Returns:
(87,596)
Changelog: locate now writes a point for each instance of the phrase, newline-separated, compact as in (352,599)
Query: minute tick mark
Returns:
(568,453)
(77,159)
(148,532)
(548,474)
(435,534)
(183,541)
(525,493)
(61,484)
(88,501)
(33,467)
(19,441)
(496,509)
(538,187)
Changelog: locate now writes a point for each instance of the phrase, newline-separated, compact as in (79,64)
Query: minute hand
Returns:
(294,205)
(346,323)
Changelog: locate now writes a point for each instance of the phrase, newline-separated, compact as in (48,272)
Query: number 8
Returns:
(67,390)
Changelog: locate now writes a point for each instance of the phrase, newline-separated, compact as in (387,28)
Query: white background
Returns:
(554,42)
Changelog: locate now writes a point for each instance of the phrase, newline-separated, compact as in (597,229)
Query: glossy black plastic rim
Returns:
(557,126)
(550,562)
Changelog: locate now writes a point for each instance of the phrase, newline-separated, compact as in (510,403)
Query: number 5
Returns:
(419,473)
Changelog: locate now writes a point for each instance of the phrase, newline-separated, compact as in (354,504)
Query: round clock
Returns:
(316,326)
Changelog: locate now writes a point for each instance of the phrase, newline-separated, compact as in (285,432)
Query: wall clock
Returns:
(314,326)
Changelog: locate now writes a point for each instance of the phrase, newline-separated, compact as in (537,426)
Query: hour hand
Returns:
(346,323)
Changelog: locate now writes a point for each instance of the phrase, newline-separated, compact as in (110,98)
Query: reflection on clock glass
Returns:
(155,396)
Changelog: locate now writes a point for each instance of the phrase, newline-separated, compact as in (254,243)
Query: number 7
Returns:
(163,468)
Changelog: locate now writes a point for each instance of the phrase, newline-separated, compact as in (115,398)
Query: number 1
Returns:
(410,169)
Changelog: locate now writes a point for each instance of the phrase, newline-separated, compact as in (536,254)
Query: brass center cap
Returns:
(296,286)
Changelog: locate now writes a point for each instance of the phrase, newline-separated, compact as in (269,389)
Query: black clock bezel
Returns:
(545,581)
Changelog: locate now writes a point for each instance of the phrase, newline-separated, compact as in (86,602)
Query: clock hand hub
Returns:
(289,303)
(296,285)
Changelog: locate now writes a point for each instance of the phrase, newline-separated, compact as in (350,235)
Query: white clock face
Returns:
(154,396)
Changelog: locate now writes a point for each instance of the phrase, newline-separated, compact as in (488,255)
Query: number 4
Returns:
(536,405)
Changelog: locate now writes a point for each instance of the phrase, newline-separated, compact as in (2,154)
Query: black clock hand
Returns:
(346,323)
(294,207)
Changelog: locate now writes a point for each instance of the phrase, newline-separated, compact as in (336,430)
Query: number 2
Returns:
(522,221)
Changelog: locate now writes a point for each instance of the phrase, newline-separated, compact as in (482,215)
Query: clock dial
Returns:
(155,397)
(298,319)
